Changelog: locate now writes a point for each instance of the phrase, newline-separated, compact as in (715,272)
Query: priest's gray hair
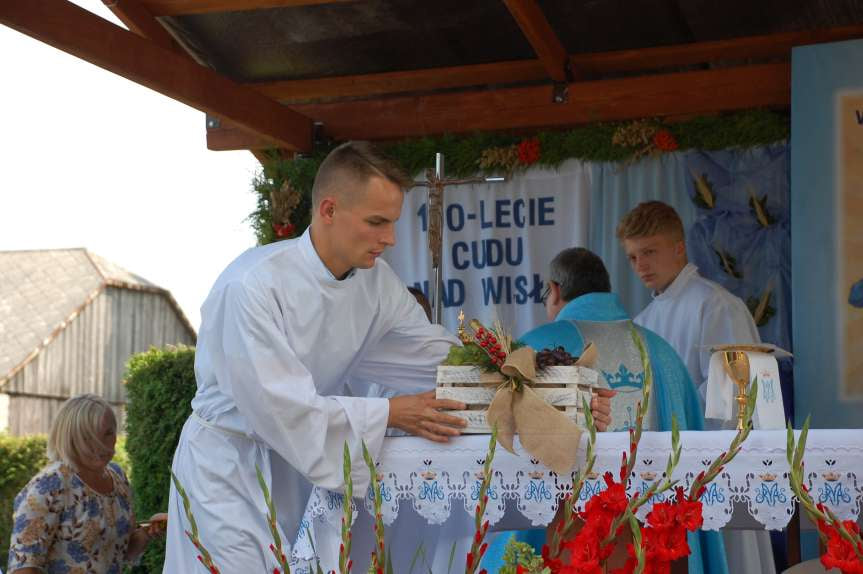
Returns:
(352,164)
(75,431)
(579,271)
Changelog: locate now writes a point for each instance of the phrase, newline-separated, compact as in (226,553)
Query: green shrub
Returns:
(160,385)
(20,459)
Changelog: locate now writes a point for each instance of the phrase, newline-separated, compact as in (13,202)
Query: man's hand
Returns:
(600,408)
(420,415)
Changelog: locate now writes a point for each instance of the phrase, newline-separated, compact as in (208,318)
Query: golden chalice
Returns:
(737,366)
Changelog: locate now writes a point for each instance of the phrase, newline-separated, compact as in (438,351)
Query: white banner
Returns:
(498,241)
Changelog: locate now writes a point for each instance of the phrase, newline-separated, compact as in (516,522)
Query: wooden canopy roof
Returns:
(280,73)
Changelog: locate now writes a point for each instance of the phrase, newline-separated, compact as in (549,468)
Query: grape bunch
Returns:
(557,357)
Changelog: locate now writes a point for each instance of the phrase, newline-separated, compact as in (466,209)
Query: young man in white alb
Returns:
(693,314)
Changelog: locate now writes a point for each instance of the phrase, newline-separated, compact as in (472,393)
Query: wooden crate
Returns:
(562,387)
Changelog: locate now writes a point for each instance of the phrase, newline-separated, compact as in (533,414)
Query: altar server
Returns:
(690,312)
(283,328)
(693,314)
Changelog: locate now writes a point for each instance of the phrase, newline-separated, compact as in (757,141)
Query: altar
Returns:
(424,484)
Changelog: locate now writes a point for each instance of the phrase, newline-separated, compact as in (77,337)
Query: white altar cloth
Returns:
(439,481)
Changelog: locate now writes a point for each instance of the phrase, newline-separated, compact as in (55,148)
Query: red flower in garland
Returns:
(284,230)
(840,552)
(528,151)
(664,141)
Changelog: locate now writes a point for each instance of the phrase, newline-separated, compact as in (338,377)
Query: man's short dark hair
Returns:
(579,271)
(353,163)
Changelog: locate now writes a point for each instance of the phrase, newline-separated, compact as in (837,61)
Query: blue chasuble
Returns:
(601,319)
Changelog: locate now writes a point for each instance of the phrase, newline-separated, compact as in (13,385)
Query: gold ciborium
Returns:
(737,366)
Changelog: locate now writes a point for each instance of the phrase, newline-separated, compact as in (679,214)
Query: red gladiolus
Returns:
(689,514)
(610,502)
(840,552)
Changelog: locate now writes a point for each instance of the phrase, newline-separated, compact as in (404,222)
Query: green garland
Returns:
(589,143)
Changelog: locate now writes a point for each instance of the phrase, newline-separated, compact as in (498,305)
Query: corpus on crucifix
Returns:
(436,182)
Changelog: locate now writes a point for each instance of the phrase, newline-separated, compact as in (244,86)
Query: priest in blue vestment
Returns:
(582,310)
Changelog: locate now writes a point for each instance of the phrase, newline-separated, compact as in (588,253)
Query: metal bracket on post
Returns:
(320,141)
(560,93)
(213,122)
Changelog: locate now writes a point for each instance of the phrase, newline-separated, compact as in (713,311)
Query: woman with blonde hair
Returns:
(75,515)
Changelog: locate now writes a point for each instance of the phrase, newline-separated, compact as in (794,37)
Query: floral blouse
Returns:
(62,526)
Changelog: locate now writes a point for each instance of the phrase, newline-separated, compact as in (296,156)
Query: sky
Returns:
(90,159)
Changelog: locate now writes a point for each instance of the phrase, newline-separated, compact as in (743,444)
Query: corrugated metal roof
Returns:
(41,291)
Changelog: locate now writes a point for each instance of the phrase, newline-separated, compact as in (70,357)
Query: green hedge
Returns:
(160,385)
(20,459)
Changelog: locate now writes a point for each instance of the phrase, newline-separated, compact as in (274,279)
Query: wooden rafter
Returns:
(769,47)
(140,21)
(180,7)
(541,36)
(85,35)
(501,73)
(531,107)
(747,48)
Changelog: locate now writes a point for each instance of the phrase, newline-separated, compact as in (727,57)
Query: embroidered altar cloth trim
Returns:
(434,478)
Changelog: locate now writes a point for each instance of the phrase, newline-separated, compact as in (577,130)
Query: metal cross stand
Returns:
(435,183)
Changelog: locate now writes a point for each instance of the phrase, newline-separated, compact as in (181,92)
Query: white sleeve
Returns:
(276,394)
(405,360)
(726,320)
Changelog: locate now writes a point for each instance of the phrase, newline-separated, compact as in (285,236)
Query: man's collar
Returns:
(317,264)
(593,307)
(679,283)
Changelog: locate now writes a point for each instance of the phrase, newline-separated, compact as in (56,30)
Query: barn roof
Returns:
(42,292)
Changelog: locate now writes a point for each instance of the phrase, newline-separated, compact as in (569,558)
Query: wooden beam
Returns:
(748,48)
(230,136)
(180,7)
(514,72)
(541,36)
(777,46)
(85,35)
(700,92)
(138,20)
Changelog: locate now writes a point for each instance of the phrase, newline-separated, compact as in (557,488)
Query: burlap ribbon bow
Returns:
(546,433)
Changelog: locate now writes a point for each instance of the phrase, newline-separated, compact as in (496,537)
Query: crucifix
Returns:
(435,182)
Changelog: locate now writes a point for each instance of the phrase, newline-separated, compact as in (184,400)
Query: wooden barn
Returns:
(69,321)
